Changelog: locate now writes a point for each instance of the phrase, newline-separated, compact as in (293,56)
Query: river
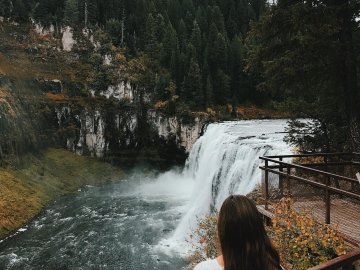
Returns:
(142,222)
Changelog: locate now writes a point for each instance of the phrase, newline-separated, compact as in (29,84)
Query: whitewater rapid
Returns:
(143,221)
(225,161)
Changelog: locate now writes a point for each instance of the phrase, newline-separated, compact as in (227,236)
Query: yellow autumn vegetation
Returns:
(160,105)
(28,186)
(204,240)
(301,241)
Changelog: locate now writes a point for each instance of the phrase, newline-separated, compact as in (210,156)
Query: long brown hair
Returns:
(243,239)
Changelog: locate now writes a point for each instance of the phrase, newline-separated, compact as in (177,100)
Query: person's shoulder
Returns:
(208,265)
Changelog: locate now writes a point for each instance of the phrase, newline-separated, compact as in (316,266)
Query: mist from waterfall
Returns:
(224,161)
(142,221)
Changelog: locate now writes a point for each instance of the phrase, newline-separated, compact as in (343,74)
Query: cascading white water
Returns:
(122,225)
(224,161)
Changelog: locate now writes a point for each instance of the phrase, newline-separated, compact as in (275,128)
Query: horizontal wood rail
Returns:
(276,166)
(345,163)
(315,184)
(344,262)
(316,155)
(308,169)
(323,164)
(318,176)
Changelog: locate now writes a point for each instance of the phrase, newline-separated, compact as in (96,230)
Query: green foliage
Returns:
(174,34)
(17,9)
(152,44)
(311,66)
(192,88)
(113,28)
(315,136)
(71,12)
(50,12)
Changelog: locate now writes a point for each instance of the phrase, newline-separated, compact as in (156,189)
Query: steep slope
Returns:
(77,91)
(40,179)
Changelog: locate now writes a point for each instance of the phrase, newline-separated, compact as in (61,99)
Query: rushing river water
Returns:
(142,221)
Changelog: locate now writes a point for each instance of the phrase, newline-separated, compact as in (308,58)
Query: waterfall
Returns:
(224,161)
(144,220)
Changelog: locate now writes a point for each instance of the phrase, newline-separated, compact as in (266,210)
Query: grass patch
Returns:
(40,179)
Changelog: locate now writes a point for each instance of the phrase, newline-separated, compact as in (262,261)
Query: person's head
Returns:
(243,239)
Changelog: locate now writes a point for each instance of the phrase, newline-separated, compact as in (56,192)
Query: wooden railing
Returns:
(345,262)
(276,165)
(311,174)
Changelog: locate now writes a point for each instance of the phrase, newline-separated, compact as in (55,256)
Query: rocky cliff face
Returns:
(186,133)
(100,130)
(52,94)
(98,127)
(20,123)
(92,130)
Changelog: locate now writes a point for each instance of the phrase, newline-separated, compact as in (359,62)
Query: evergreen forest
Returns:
(302,56)
(197,46)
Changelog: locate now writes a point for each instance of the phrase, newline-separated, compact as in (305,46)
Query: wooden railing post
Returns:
(266,184)
(281,181)
(288,179)
(327,201)
(325,161)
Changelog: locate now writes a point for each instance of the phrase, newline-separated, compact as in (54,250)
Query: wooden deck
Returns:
(345,216)
(328,189)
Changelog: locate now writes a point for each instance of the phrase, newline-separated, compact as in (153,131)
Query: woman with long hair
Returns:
(243,240)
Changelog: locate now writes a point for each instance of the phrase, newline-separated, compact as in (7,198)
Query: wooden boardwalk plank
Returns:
(345,216)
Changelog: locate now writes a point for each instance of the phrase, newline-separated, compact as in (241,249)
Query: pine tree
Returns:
(208,92)
(189,20)
(217,51)
(71,12)
(113,28)
(5,8)
(192,89)
(170,45)
(19,12)
(188,8)
(243,16)
(218,19)
(87,12)
(237,75)
(200,17)
(160,27)
(221,86)
(195,39)
(183,35)
(174,66)
(152,45)
(212,40)
(311,64)
(259,7)
(178,35)
(173,12)
(231,27)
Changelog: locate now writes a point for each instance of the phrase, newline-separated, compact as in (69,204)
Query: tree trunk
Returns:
(349,74)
